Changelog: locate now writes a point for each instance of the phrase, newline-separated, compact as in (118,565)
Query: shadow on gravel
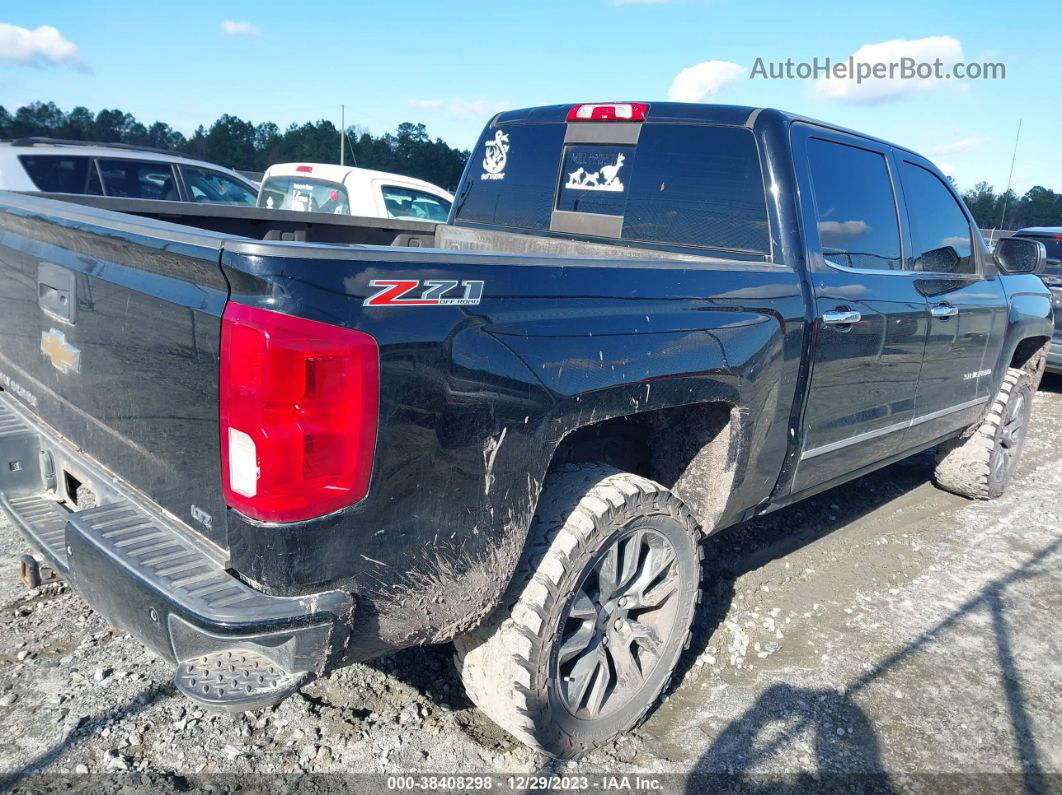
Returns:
(734,552)
(851,760)
(84,731)
(430,670)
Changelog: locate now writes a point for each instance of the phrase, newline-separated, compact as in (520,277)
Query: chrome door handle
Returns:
(944,310)
(840,318)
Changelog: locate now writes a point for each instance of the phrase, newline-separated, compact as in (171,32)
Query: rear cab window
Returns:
(304,194)
(678,185)
(409,204)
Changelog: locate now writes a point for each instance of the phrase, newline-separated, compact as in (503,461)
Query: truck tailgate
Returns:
(109,333)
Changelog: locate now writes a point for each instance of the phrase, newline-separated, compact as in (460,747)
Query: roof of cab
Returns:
(669,112)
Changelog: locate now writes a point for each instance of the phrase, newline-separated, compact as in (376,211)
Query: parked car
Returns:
(1051,237)
(641,325)
(120,170)
(346,190)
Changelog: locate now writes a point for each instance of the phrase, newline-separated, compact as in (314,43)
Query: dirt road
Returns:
(884,627)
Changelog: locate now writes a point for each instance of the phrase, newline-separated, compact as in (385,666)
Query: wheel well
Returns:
(690,449)
(1031,356)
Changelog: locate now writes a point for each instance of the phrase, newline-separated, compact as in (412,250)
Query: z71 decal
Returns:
(430,292)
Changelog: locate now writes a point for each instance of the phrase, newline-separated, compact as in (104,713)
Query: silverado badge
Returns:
(64,357)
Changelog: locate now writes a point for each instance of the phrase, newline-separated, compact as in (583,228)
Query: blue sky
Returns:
(452,64)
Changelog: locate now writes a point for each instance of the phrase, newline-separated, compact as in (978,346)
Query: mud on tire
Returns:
(597,615)
(981,465)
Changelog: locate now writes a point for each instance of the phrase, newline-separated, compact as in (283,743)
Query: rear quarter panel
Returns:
(475,399)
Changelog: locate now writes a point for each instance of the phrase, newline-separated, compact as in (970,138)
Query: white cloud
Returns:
(478,108)
(883,89)
(44,46)
(697,83)
(842,231)
(245,29)
(947,169)
(957,146)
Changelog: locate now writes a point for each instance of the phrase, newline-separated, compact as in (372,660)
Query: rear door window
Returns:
(408,204)
(63,173)
(855,206)
(139,179)
(686,185)
(304,194)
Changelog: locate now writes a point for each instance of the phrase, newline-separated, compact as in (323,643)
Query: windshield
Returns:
(1053,244)
(304,195)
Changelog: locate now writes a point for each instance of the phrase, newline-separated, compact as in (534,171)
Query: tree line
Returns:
(239,144)
(1037,207)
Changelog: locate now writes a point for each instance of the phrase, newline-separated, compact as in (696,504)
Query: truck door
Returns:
(871,320)
(967,305)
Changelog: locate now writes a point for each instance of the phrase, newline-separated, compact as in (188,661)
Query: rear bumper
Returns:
(145,573)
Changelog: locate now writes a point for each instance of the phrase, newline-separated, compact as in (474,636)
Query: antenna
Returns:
(343,132)
(1006,194)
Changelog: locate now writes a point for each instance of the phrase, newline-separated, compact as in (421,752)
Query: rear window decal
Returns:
(496,151)
(605,178)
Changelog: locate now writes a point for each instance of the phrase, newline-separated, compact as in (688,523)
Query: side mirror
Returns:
(1020,255)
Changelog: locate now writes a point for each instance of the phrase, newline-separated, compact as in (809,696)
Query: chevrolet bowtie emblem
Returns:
(64,357)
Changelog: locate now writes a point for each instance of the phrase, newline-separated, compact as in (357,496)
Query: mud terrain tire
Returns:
(981,465)
(596,618)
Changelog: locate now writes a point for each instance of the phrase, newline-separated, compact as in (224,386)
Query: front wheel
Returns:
(597,616)
(981,465)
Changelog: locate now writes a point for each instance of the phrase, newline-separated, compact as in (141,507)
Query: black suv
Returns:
(1051,237)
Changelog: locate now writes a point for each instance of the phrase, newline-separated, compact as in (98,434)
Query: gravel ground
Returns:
(883,627)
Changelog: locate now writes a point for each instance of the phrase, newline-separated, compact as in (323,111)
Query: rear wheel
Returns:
(597,616)
(981,466)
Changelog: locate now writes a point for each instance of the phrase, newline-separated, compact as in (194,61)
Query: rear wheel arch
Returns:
(696,450)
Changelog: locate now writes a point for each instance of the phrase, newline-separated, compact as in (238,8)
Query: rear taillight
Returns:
(609,111)
(304,169)
(299,408)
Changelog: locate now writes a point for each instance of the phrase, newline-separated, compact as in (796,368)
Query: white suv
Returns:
(122,170)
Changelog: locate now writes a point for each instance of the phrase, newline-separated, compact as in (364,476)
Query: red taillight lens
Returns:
(611,111)
(304,169)
(299,408)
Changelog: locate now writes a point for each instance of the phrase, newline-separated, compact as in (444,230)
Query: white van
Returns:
(346,190)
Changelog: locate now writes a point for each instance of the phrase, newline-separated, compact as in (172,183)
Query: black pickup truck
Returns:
(641,324)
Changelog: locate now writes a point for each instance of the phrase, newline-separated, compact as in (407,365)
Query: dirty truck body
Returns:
(268,459)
